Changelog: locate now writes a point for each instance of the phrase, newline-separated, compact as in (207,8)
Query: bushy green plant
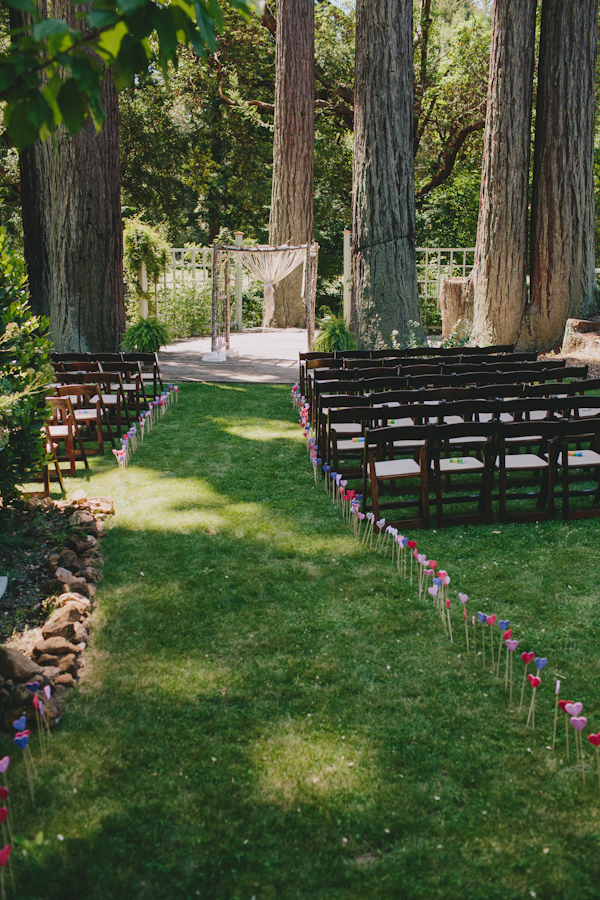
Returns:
(187,311)
(146,336)
(252,305)
(24,372)
(334,335)
(143,244)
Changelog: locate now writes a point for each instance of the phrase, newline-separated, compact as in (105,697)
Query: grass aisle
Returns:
(269,713)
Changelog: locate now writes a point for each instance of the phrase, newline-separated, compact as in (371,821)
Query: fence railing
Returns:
(435,263)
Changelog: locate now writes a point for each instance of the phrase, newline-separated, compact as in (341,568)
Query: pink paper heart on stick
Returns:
(432,590)
(428,571)
(462,597)
(511,645)
(579,722)
(573,709)
(4,854)
(4,764)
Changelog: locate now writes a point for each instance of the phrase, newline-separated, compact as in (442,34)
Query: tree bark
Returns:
(500,270)
(291,219)
(73,229)
(563,280)
(384,293)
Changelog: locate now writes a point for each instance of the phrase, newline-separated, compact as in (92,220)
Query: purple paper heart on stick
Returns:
(503,624)
(4,764)
(433,590)
(33,686)
(573,709)
(539,662)
(47,692)
(19,724)
(511,645)
(579,722)
(21,740)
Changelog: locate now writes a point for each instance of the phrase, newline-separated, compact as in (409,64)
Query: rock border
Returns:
(56,657)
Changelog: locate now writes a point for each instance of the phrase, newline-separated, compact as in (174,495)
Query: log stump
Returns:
(456,305)
(580,333)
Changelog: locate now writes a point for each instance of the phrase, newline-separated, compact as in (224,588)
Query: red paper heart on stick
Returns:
(534,681)
(4,854)
(563,703)
(527,657)
(3,792)
(412,544)
(3,813)
(594,739)
(507,634)
(491,620)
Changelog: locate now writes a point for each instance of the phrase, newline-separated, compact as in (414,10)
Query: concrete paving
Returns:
(265,355)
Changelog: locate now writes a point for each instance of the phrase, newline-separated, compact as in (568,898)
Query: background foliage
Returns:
(24,371)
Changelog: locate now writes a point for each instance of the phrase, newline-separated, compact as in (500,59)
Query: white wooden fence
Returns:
(190,269)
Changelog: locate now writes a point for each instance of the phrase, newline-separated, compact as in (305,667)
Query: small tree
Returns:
(24,372)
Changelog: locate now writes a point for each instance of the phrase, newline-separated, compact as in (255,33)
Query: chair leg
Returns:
(374,487)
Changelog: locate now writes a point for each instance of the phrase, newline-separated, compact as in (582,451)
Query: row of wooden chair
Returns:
(345,381)
(458,462)
(146,364)
(442,395)
(312,359)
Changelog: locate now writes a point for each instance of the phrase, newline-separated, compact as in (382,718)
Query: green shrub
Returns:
(334,335)
(186,311)
(252,305)
(143,244)
(25,370)
(146,336)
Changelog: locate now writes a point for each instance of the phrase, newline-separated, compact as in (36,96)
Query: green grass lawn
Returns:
(270,713)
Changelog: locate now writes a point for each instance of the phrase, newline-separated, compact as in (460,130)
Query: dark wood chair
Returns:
(385,464)
(462,465)
(573,457)
(540,466)
(62,428)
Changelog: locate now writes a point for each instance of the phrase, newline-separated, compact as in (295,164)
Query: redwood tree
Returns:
(562,211)
(499,273)
(73,233)
(291,219)
(384,293)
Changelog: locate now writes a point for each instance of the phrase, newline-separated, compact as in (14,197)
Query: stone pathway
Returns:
(266,356)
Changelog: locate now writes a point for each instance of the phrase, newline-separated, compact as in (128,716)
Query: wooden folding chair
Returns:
(385,463)
(63,428)
(540,465)
(109,386)
(573,457)
(51,460)
(149,369)
(89,412)
(463,449)
(132,384)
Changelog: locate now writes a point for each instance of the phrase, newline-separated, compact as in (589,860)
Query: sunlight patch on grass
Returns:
(297,763)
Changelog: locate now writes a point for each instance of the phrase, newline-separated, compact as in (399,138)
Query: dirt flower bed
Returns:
(51,561)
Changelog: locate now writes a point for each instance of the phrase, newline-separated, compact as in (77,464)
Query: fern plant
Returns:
(334,335)
(146,336)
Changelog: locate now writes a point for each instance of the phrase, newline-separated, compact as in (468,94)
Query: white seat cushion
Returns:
(346,428)
(467,464)
(587,458)
(404,444)
(469,439)
(350,445)
(587,412)
(523,461)
(396,468)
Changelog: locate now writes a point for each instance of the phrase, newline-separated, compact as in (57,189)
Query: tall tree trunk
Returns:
(73,229)
(500,271)
(562,211)
(384,294)
(291,219)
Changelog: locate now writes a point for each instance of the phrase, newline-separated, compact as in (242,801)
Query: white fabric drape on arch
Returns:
(270,265)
